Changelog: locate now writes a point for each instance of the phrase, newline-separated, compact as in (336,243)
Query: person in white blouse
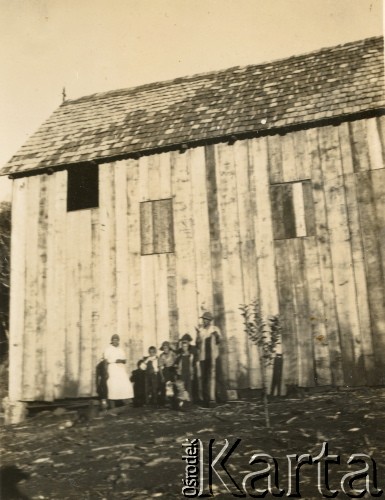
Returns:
(118,383)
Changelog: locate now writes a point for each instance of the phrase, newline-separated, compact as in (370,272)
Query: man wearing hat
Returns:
(208,340)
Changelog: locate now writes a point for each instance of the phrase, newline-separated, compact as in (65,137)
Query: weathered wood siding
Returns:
(296,221)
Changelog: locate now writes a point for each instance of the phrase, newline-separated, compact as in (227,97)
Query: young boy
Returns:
(167,370)
(152,377)
(167,362)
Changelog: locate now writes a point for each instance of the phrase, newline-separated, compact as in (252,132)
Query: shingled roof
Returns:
(332,82)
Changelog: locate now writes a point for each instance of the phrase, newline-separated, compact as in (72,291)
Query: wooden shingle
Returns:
(330,83)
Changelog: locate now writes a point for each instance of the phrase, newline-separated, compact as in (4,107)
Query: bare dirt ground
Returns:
(137,453)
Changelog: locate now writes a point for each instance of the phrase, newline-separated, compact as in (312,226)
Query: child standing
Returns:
(152,376)
(185,367)
(167,370)
(138,378)
(182,399)
(167,362)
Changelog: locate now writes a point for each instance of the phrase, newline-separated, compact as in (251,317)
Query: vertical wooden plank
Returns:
(136,343)
(381,133)
(146,228)
(165,175)
(287,310)
(374,269)
(41,292)
(276,196)
(107,290)
(31,284)
(147,263)
(166,194)
(231,264)
(173,315)
(275,158)
(18,286)
(330,319)
(255,368)
(357,253)
(378,183)
(215,247)
(344,287)
(289,172)
(301,153)
(288,210)
(168,261)
(59,310)
(374,144)
(163,227)
(51,333)
(148,303)
(154,176)
(204,288)
(184,243)
(122,261)
(263,229)
(359,145)
(161,299)
(86,366)
(163,242)
(316,316)
(247,248)
(143,180)
(165,279)
(72,347)
(307,191)
(302,313)
(98,338)
(299,209)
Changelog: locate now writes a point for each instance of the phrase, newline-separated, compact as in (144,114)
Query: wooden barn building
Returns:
(136,210)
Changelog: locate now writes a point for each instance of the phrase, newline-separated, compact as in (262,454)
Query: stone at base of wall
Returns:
(14,411)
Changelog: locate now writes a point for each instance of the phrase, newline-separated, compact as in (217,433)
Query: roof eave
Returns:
(183,146)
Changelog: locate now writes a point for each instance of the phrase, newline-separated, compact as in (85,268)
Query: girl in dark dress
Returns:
(185,367)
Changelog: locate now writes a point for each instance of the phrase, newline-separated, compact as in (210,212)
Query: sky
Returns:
(90,46)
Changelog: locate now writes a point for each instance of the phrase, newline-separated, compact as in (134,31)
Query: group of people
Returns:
(182,374)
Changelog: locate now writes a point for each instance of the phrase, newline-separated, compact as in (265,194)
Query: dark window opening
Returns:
(292,210)
(83,187)
(156,227)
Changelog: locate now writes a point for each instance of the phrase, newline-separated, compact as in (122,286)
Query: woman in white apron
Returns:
(118,383)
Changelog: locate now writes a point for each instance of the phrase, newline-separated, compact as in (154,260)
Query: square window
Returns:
(156,227)
(83,187)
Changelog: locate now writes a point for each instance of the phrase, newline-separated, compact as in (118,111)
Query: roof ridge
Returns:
(187,78)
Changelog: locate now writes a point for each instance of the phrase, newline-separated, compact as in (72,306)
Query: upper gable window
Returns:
(83,187)
(156,227)
(292,210)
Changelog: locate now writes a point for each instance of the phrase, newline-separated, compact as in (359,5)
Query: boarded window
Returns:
(83,187)
(292,210)
(156,227)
